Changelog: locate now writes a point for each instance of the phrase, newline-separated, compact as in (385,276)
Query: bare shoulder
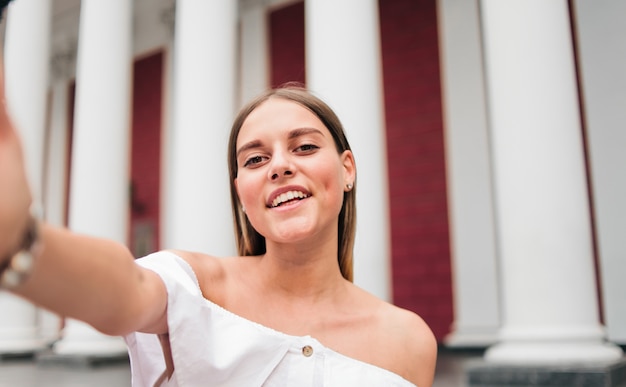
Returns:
(210,271)
(414,342)
(405,343)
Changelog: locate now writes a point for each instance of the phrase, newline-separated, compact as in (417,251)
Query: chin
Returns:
(292,232)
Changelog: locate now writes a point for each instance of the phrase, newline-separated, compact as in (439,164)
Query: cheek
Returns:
(334,174)
(249,190)
(243,190)
(333,181)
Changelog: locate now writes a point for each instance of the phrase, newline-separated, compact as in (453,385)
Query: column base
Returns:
(557,353)
(99,348)
(50,326)
(602,374)
(471,338)
(21,346)
(18,327)
(80,339)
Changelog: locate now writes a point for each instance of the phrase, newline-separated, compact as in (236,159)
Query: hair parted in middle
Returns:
(249,241)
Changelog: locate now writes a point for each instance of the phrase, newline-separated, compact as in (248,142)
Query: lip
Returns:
(282,190)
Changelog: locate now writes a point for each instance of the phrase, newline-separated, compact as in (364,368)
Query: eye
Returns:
(253,161)
(306,148)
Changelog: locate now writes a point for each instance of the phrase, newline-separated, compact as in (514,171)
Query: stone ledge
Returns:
(10,357)
(575,375)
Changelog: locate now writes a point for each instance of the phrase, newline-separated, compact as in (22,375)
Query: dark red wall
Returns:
(146,153)
(286,45)
(417,183)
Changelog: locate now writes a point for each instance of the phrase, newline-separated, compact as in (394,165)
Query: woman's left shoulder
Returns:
(410,323)
(411,337)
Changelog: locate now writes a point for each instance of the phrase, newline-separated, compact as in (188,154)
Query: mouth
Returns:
(288,197)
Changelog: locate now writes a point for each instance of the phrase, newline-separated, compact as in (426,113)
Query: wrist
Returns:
(15,267)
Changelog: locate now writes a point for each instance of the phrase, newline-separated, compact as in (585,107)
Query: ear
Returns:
(349,167)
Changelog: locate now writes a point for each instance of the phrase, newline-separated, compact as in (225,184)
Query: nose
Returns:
(277,175)
(280,166)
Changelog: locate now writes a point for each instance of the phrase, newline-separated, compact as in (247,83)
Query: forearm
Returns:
(90,279)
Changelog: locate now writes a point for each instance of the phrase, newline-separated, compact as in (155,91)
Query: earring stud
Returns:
(349,186)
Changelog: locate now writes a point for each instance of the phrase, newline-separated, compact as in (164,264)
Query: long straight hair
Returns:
(249,241)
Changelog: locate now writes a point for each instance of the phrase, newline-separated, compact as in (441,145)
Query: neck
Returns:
(302,271)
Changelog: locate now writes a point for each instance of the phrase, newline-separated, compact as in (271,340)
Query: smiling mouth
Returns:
(287,197)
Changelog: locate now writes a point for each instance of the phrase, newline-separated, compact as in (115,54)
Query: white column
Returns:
(602,52)
(254,66)
(346,73)
(100,150)
(26,79)
(55,176)
(470,199)
(26,62)
(198,211)
(549,298)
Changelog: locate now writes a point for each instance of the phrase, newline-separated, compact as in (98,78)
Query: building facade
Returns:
(488,137)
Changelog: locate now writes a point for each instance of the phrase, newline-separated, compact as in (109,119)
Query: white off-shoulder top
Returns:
(211,346)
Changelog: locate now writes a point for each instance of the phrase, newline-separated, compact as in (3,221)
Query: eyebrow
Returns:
(303,131)
(249,145)
(295,133)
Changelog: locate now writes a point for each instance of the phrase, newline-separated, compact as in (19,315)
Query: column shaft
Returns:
(470,198)
(198,197)
(343,64)
(26,64)
(26,55)
(100,152)
(55,183)
(550,309)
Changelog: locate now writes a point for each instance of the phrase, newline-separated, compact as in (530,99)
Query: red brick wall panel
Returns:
(146,153)
(421,269)
(286,29)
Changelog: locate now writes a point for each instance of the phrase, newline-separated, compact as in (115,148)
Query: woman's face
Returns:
(290,177)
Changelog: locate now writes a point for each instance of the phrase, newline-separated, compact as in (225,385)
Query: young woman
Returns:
(283,313)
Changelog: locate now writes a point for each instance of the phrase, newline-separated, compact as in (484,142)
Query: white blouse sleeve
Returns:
(205,348)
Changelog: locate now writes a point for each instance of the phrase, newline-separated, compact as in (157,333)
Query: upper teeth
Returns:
(289,195)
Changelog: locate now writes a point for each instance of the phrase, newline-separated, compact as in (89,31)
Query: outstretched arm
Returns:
(86,278)
(95,280)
